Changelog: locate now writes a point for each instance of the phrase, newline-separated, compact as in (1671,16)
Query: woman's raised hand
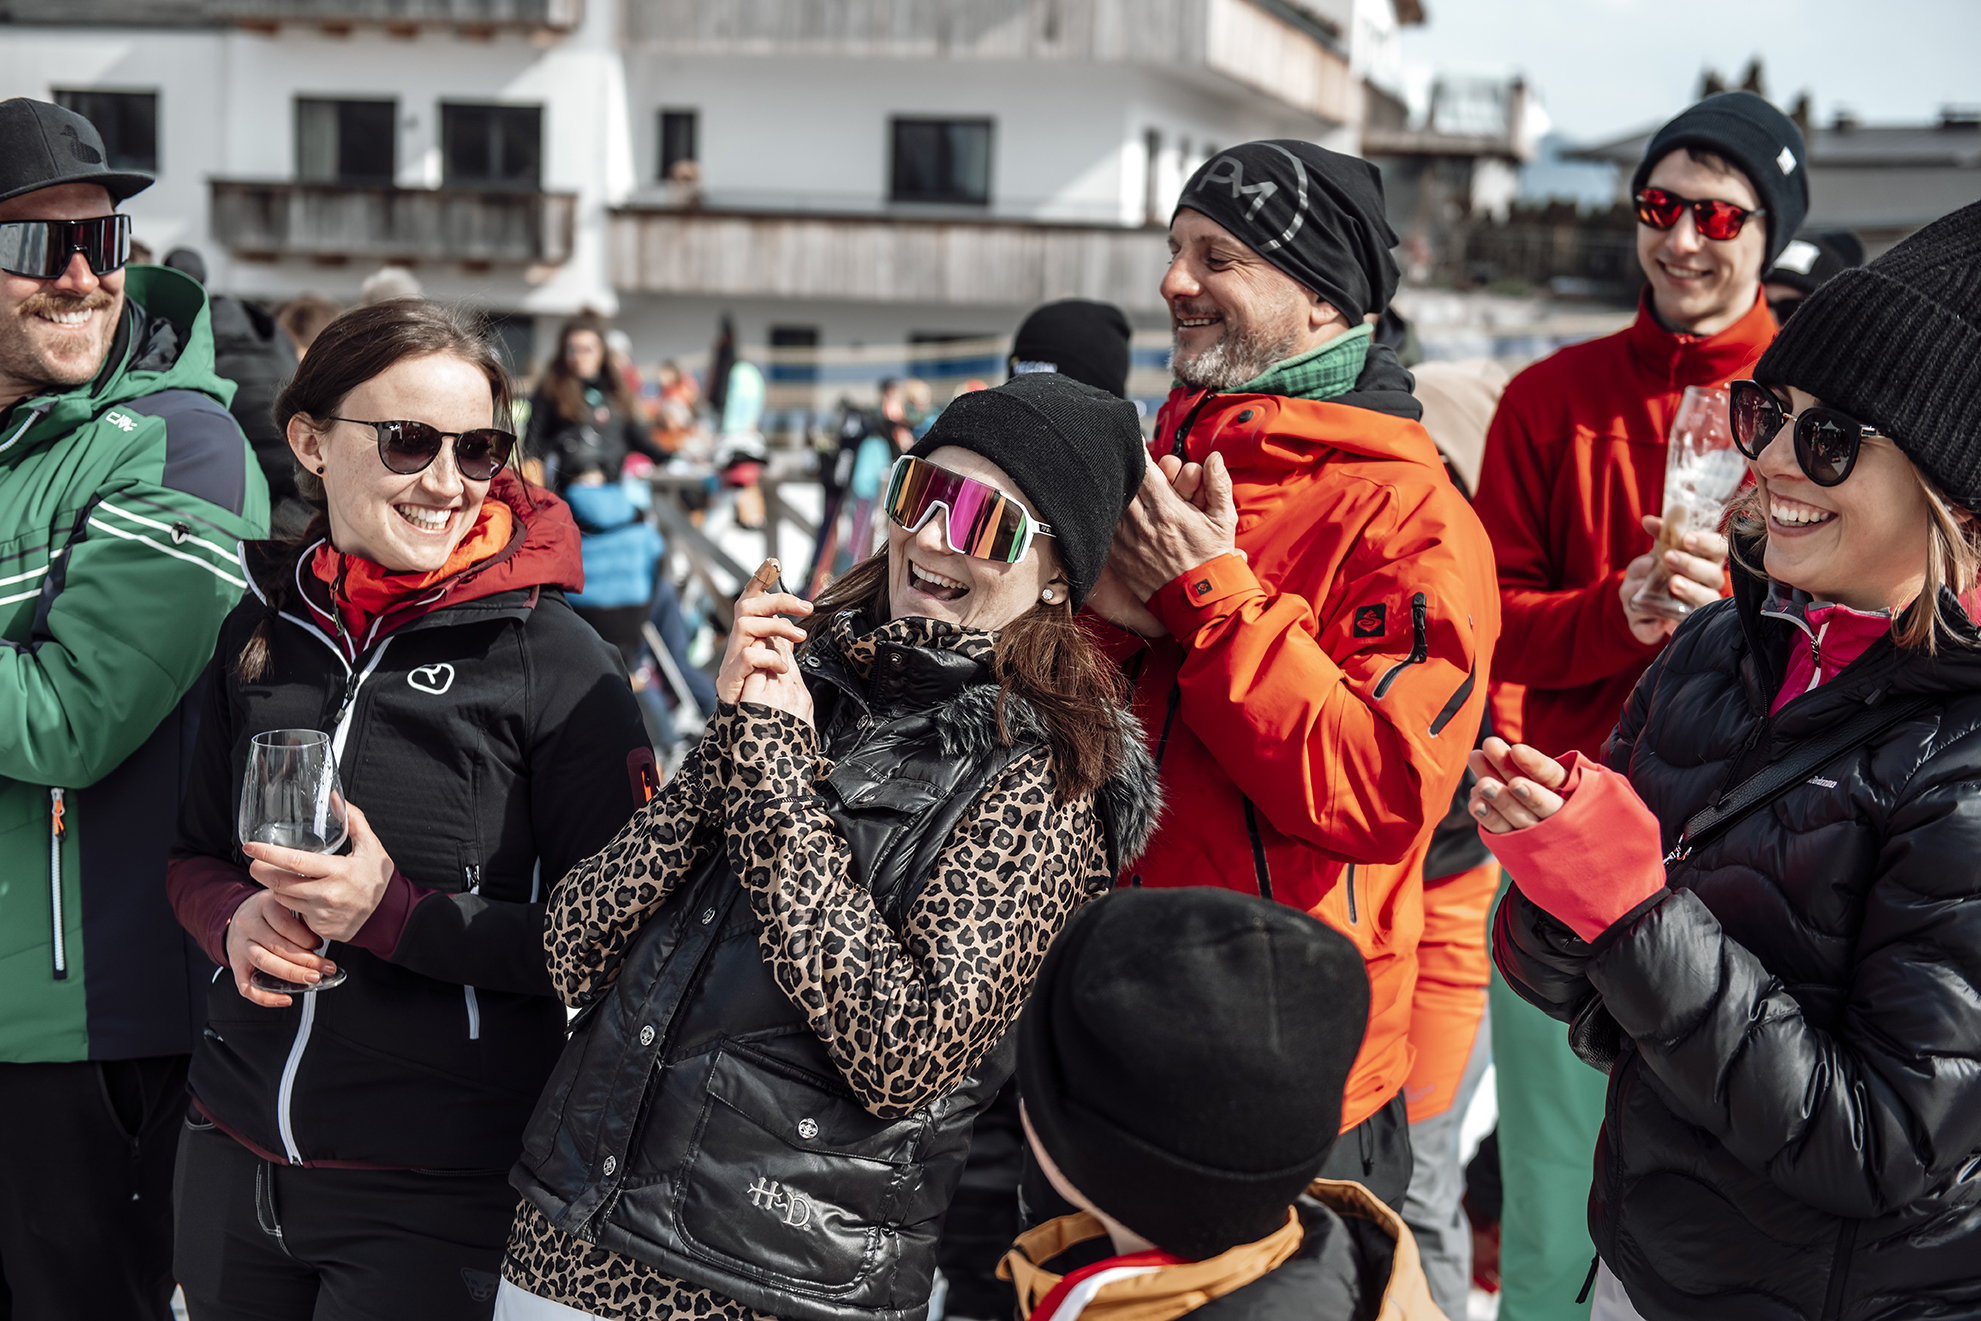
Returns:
(760,662)
(334,895)
(1516,787)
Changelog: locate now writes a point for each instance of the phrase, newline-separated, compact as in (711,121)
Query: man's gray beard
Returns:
(1236,358)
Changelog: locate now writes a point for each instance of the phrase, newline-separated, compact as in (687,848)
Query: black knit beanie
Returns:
(1813,258)
(1897,344)
(1317,215)
(1074,337)
(1075,452)
(1761,140)
(1183,1056)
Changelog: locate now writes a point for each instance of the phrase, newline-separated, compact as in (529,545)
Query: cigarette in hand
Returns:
(764,578)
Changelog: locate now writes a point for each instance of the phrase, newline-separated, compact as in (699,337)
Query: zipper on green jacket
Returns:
(55,833)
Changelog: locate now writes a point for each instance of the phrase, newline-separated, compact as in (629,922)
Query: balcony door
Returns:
(346,142)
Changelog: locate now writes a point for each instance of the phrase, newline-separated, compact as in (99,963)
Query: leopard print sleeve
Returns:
(905,1017)
(598,908)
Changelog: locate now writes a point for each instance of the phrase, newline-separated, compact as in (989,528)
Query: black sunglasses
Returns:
(1826,441)
(410,447)
(40,249)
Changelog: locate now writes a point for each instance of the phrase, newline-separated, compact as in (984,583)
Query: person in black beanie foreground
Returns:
(1182,1063)
(1759,909)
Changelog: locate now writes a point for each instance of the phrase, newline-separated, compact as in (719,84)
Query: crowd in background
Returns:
(1096,883)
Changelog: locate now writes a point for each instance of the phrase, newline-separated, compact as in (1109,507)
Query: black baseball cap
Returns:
(44,146)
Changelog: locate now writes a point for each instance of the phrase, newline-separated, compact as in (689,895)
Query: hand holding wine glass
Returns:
(334,894)
(293,821)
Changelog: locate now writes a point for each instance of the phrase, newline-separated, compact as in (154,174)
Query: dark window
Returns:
(128,122)
(941,160)
(513,338)
(346,141)
(677,140)
(491,146)
(801,365)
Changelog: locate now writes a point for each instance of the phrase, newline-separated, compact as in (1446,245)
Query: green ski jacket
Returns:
(123,504)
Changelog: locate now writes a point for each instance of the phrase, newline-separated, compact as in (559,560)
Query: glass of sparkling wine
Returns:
(1703,472)
(291,797)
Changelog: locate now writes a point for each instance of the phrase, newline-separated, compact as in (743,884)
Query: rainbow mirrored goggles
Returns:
(981,520)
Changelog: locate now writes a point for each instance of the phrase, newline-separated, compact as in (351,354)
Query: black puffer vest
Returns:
(697,1124)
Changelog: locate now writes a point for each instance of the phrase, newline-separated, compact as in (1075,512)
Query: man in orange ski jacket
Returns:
(1304,603)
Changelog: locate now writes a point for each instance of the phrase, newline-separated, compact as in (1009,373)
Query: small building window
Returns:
(491,146)
(798,362)
(941,160)
(677,143)
(127,122)
(354,142)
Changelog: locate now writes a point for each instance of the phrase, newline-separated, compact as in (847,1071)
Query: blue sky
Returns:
(1604,67)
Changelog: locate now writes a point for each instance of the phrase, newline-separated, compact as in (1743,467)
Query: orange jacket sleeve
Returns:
(1351,745)
(1554,636)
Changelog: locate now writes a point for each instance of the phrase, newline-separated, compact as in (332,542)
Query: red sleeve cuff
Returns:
(204,891)
(1206,593)
(385,927)
(1592,862)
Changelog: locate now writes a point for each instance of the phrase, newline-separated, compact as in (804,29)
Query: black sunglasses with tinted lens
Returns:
(40,249)
(1826,440)
(410,447)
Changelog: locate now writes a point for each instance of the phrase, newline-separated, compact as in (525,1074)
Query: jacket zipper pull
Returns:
(56,829)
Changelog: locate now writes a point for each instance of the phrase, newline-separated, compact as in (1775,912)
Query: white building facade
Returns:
(853,181)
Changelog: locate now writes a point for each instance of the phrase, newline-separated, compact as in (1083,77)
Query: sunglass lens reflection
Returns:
(1824,447)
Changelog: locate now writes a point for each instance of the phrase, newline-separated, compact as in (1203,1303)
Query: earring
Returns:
(319,471)
(1046,595)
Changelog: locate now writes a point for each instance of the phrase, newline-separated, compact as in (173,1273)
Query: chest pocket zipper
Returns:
(1349,881)
(55,914)
(473,871)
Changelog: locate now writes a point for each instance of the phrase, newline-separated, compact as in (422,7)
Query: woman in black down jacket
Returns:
(348,1149)
(1794,1117)
(583,419)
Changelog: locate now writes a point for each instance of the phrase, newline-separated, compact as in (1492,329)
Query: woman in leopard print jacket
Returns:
(796,967)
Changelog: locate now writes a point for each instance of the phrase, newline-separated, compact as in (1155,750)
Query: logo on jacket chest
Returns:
(1371,621)
(787,1204)
(435,679)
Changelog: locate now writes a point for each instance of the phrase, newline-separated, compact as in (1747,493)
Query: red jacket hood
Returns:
(543,550)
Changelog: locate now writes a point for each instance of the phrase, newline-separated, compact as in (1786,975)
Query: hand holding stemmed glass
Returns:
(293,820)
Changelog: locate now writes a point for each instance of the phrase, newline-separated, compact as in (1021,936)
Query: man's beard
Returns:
(28,363)
(1239,355)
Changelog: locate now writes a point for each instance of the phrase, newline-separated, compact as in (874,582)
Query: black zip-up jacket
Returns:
(1794,1123)
(492,743)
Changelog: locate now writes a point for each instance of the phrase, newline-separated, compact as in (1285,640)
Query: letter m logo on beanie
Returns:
(1233,173)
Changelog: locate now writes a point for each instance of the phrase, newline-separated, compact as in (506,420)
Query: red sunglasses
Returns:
(1714,218)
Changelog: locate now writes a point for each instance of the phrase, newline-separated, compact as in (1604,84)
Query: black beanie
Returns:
(1761,140)
(1813,257)
(1075,452)
(1898,344)
(1074,337)
(1315,214)
(1183,1056)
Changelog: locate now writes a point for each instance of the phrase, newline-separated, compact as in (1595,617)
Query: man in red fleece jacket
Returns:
(1570,490)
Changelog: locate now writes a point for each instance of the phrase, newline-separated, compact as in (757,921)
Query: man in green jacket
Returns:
(125,491)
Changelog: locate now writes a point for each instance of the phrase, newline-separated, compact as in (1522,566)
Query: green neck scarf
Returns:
(1317,374)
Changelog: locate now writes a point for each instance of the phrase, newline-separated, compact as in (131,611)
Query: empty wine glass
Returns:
(291,797)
